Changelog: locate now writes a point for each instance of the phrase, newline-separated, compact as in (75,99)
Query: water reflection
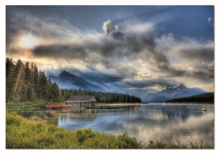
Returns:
(152,122)
(40,115)
(181,111)
(204,112)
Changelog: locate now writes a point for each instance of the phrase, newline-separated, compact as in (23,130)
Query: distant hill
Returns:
(69,81)
(172,92)
(202,98)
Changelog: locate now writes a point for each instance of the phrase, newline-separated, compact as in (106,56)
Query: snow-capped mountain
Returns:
(70,81)
(171,92)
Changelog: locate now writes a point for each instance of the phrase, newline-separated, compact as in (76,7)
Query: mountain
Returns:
(172,92)
(202,98)
(52,78)
(103,86)
(69,81)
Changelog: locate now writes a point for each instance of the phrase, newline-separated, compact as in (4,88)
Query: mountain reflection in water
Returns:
(151,122)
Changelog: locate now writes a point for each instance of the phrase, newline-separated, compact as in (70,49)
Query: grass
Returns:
(160,145)
(25,134)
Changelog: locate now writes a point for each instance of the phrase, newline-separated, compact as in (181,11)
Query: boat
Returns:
(56,106)
(204,109)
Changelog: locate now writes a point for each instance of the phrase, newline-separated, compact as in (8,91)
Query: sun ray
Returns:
(16,84)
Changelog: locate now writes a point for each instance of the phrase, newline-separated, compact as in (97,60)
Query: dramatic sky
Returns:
(132,49)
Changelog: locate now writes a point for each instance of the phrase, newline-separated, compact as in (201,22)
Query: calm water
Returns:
(150,122)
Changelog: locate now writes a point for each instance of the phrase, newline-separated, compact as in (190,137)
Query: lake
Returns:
(168,123)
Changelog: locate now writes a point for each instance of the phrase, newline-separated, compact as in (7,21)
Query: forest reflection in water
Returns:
(151,122)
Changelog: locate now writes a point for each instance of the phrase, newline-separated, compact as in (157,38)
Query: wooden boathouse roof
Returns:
(80,98)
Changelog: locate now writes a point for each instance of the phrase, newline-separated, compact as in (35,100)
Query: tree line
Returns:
(25,83)
(100,96)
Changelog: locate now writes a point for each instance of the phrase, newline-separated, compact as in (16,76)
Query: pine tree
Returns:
(10,81)
(55,93)
(32,70)
(35,81)
(43,86)
(50,91)
(27,73)
(23,94)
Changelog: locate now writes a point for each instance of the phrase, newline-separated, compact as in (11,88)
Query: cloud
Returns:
(118,57)
(117,35)
(201,53)
(161,82)
(186,56)
(60,51)
(109,28)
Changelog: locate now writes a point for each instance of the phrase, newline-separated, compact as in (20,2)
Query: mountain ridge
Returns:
(71,81)
(172,92)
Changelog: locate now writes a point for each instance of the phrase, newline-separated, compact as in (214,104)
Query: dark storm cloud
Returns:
(198,53)
(204,72)
(60,51)
(202,75)
(117,35)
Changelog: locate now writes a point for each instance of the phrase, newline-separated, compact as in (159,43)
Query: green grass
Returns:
(160,145)
(25,134)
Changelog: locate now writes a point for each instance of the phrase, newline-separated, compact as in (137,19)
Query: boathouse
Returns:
(82,100)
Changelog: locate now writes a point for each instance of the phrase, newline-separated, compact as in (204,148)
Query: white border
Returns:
(112,2)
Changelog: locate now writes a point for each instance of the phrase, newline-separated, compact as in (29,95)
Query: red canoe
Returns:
(57,106)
